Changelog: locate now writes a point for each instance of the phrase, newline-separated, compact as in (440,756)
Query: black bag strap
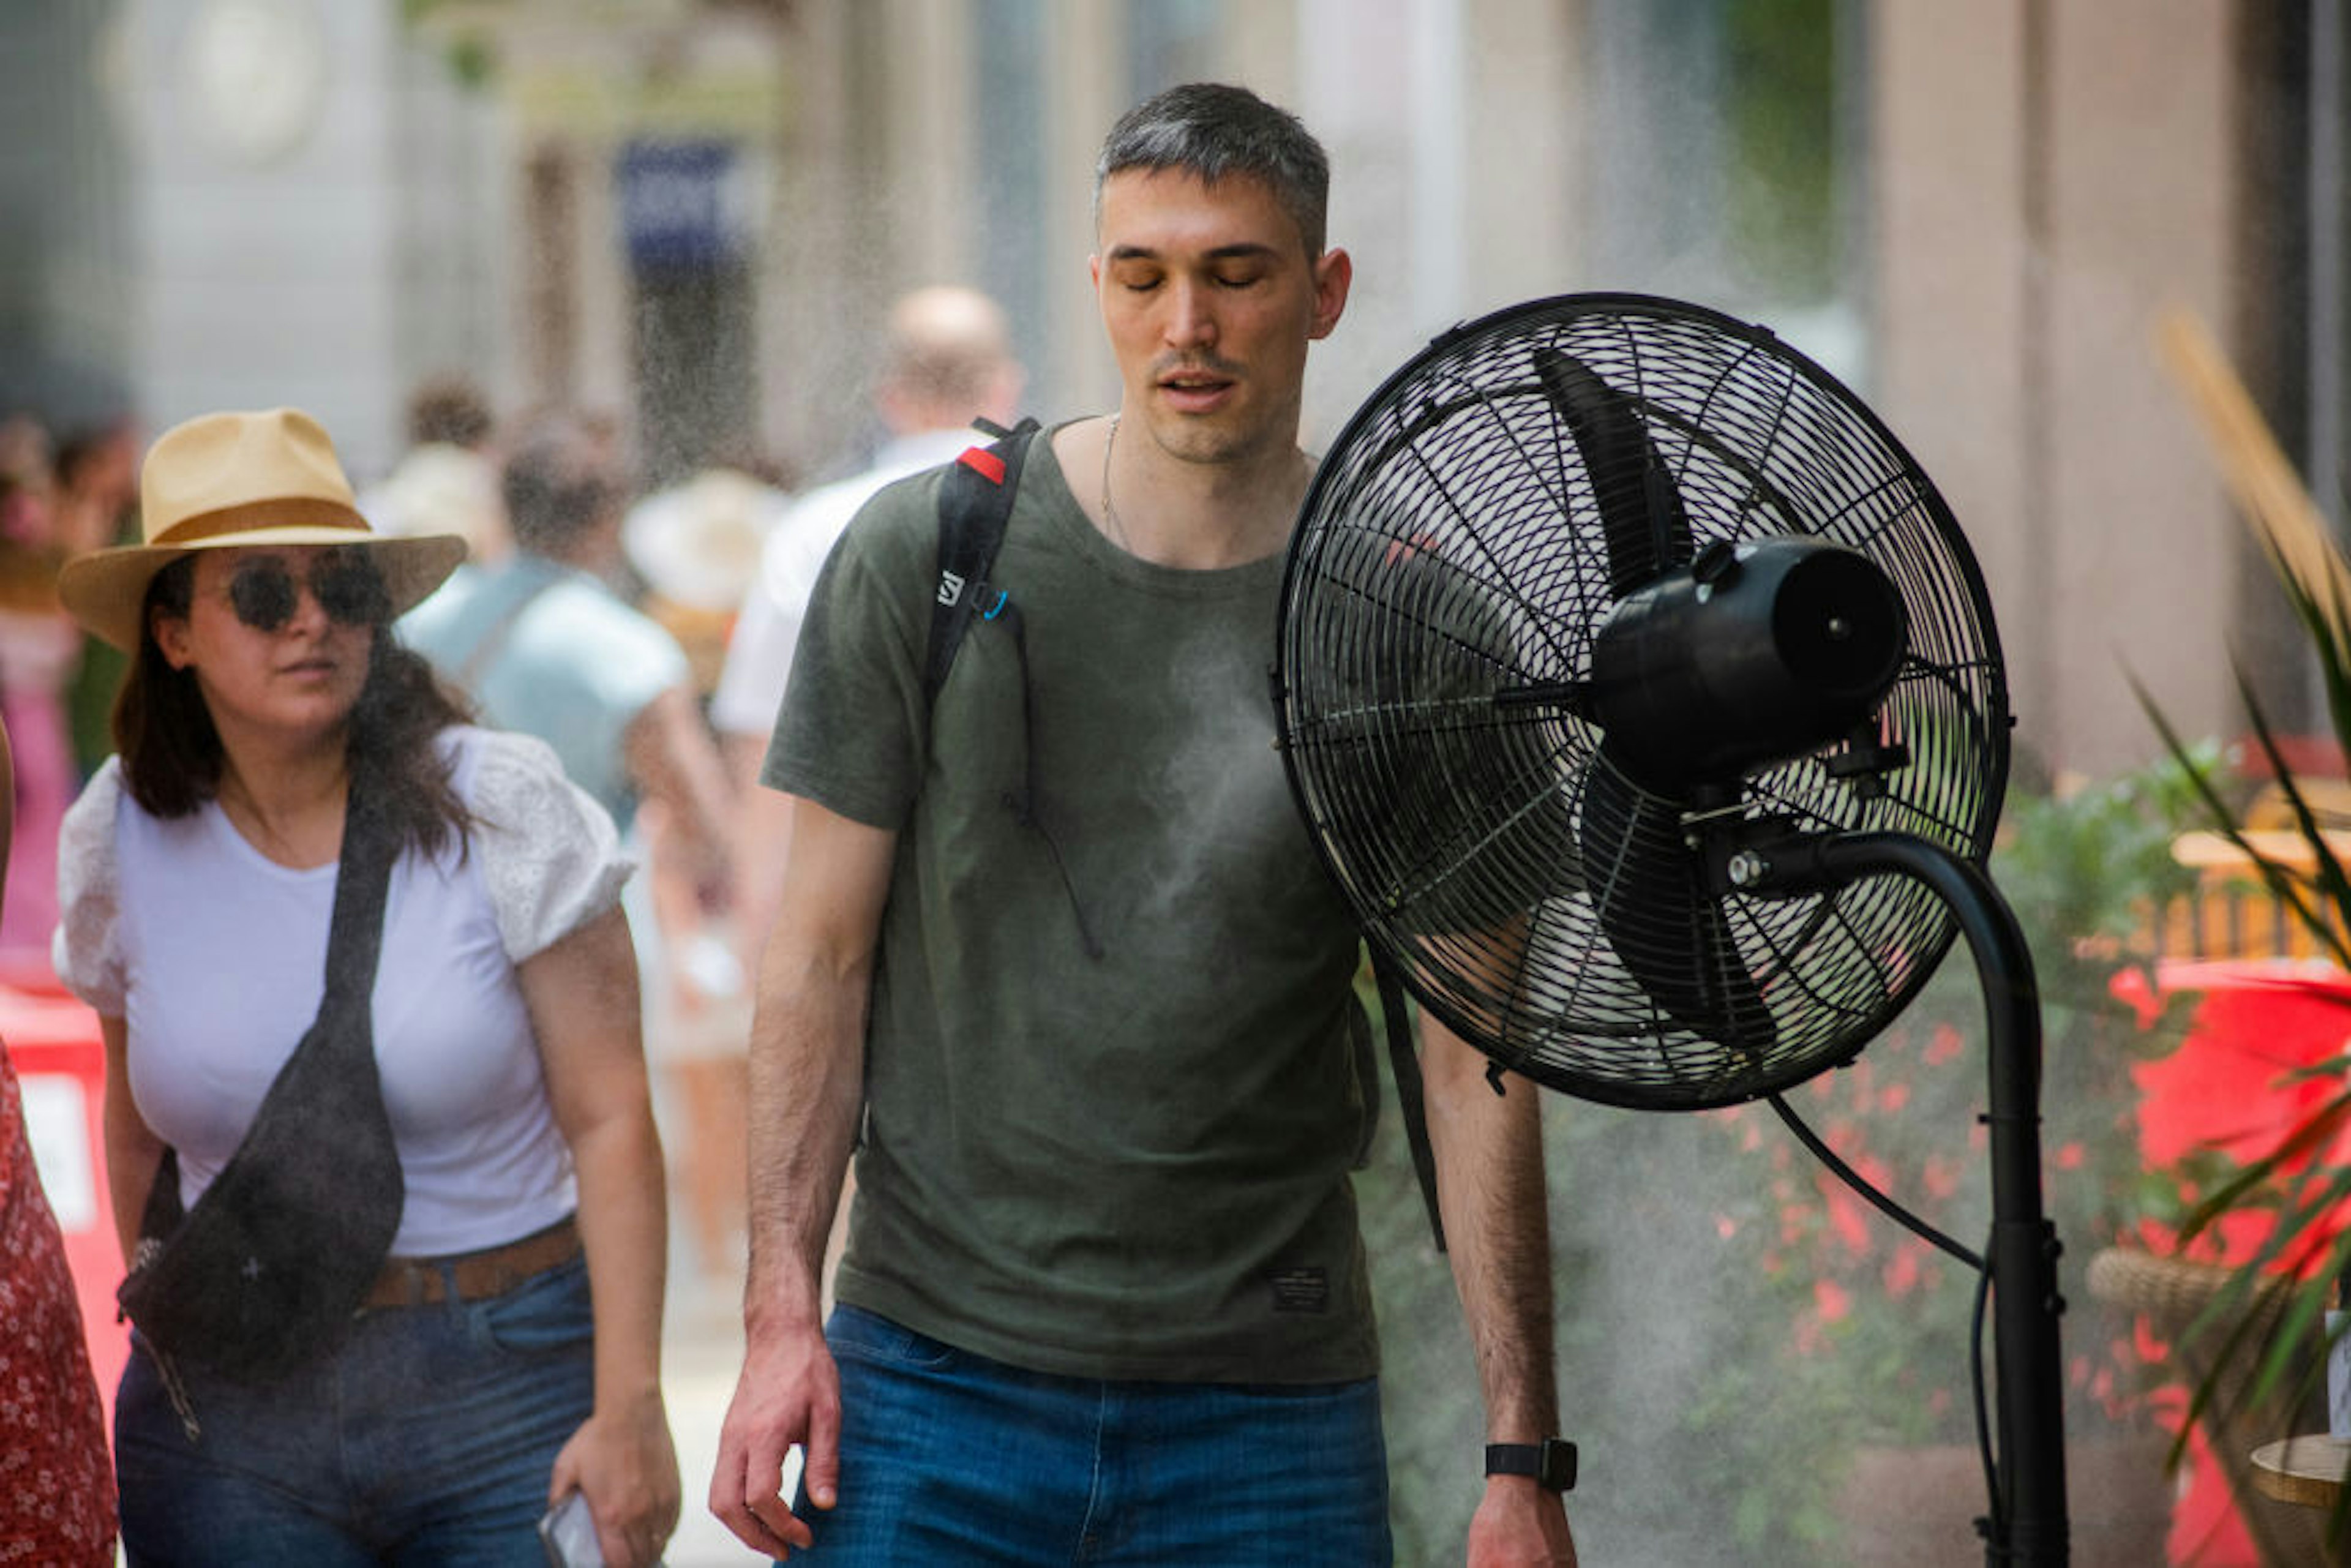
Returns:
(1404,1061)
(975,507)
(372,844)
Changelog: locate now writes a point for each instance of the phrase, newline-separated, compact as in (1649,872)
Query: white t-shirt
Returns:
(759,653)
(215,957)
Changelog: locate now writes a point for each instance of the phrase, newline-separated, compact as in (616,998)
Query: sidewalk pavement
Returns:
(702,1351)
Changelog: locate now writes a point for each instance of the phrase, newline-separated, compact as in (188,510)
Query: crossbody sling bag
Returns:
(267,1270)
(975,509)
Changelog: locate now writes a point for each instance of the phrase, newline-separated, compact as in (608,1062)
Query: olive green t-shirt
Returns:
(1111,1071)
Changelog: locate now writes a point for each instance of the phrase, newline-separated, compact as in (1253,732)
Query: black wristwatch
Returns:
(1551,1462)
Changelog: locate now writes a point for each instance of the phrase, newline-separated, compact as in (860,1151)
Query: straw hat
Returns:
(224,481)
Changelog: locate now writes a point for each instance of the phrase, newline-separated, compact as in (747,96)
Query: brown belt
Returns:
(477,1275)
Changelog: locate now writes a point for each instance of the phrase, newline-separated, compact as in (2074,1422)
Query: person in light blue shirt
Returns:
(542,646)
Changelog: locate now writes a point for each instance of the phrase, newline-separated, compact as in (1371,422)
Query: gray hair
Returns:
(1213,130)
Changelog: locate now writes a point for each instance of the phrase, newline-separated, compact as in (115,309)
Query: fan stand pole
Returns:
(2028,1524)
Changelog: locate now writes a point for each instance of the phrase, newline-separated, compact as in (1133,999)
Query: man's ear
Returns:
(1334,272)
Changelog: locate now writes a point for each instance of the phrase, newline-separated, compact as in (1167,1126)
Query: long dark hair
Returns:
(171,754)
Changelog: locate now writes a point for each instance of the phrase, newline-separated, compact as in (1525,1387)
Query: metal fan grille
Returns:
(1449,560)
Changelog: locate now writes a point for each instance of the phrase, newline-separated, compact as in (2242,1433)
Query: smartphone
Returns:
(569,1533)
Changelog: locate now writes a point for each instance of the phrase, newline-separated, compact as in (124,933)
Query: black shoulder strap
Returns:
(975,505)
(1395,1014)
(344,1027)
(467,675)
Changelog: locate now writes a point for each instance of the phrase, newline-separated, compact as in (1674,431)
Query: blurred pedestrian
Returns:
(446,482)
(57,1485)
(483,1377)
(946,359)
(95,504)
(693,546)
(544,646)
(40,651)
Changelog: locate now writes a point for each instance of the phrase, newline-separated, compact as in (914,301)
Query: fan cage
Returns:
(1448,563)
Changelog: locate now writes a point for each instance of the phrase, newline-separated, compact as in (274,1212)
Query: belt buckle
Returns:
(416,1283)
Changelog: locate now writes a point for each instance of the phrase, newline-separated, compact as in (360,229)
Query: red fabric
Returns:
(53,1040)
(2237,1083)
(57,1485)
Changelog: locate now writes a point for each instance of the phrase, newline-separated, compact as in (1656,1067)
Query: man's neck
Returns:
(1190,514)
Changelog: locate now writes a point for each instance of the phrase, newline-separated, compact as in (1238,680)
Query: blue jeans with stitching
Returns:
(950,1457)
(428,1438)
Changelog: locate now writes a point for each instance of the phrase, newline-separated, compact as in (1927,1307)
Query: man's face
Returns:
(1210,299)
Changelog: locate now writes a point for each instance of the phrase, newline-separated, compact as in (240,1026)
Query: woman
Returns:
(56,1488)
(508,1353)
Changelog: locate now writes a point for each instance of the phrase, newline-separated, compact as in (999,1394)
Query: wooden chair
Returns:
(2173,1293)
(2231,912)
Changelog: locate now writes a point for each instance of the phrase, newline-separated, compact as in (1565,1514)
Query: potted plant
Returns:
(1759,1365)
(2261,1339)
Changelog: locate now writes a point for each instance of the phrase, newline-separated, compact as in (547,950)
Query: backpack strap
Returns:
(1395,1015)
(975,506)
(467,676)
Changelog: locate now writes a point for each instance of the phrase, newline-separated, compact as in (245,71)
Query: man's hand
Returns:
(790,1393)
(1520,1525)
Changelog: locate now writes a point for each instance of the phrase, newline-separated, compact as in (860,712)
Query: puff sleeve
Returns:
(550,856)
(86,949)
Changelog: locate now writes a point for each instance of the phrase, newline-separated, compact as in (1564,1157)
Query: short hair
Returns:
(449,410)
(1214,132)
(558,481)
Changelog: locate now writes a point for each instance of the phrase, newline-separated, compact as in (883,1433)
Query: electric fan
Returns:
(1644,699)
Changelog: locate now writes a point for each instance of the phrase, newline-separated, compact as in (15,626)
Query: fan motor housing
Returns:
(1750,655)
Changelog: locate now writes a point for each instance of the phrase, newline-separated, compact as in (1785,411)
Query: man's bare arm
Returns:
(808,1053)
(1490,1187)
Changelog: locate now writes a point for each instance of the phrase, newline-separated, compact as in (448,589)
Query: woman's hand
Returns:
(622,1462)
(582,994)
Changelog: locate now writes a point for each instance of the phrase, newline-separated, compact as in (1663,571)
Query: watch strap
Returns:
(1550,1463)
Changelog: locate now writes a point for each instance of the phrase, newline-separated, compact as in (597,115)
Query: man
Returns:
(542,646)
(946,359)
(1064,942)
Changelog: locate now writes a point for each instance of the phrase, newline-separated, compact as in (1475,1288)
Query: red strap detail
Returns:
(983,463)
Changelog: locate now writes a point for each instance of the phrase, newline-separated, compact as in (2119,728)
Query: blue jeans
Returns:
(946,1456)
(428,1438)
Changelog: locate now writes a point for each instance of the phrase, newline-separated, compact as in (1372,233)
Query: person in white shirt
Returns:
(946,360)
(481,1379)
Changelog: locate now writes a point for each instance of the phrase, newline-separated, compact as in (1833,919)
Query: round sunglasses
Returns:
(345,583)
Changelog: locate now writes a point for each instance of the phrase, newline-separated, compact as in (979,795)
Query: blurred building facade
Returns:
(692,213)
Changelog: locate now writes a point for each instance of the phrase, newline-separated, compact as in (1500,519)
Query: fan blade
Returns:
(1641,516)
(1648,890)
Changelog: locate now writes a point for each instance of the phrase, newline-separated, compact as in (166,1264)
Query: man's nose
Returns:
(1192,317)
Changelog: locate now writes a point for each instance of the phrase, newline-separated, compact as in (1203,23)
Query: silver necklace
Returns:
(1110,512)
